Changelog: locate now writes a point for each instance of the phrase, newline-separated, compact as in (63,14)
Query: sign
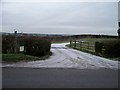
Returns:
(21,48)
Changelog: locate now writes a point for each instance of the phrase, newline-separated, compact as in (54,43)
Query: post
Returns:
(81,45)
(88,46)
(70,43)
(75,44)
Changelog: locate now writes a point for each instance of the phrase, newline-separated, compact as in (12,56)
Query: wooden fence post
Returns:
(88,46)
(81,45)
(75,44)
(70,43)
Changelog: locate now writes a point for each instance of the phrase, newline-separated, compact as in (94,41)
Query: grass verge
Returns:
(22,57)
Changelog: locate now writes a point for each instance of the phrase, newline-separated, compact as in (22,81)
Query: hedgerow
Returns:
(33,45)
(108,48)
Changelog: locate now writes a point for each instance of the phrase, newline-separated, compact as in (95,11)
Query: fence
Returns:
(104,48)
(83,46)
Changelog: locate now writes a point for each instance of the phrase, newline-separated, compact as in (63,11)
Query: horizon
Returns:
(55,33)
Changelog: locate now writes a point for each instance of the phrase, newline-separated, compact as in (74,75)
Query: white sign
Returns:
(21,48)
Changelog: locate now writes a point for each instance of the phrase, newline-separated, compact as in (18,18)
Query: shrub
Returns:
(35,46)
(108,48)
(8,44)
(98,47)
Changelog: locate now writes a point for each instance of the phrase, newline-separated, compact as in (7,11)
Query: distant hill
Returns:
(35,34)
(52,36)
(93,36)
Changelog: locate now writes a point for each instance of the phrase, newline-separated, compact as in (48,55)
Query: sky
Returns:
(119,11)
(59,17)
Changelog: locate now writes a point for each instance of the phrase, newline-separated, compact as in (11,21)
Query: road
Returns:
(64,57)
(59,78)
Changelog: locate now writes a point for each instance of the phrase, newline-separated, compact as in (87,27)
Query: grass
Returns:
(22,57)
(59,42)
(95,39)
(117,59)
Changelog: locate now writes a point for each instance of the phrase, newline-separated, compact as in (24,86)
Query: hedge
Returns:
(35,46)
(8,44)
(108,48)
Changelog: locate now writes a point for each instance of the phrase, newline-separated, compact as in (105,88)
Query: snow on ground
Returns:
(64,57)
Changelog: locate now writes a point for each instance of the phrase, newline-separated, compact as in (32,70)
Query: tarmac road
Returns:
(59,78)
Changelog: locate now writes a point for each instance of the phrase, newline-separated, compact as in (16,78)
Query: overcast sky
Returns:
(60,17)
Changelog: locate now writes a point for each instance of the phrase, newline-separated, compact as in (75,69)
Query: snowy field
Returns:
(64,57)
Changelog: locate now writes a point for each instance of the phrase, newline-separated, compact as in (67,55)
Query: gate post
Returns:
(75,44)
(70,43)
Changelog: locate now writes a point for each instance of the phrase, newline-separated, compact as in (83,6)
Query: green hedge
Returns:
(35,46)
(108,48)
(8,44)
